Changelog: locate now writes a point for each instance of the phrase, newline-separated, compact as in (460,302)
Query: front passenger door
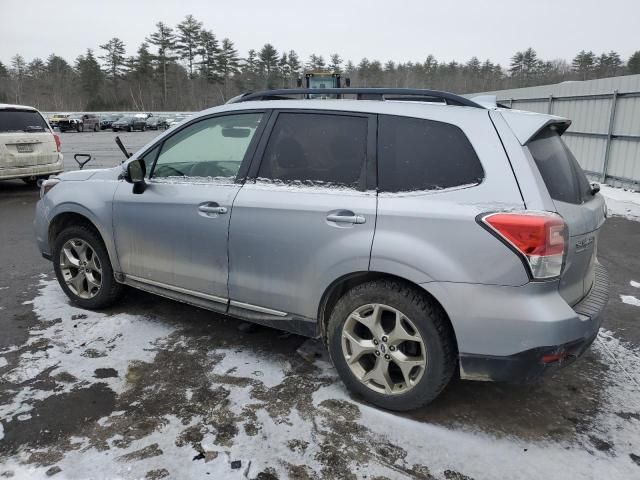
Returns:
(174,234)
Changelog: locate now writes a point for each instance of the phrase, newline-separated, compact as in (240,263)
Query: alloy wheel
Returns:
(383,349)
(81,268)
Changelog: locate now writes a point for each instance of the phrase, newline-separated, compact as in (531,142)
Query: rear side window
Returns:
(316,149)
(416,154)
(560,171)
(21,121)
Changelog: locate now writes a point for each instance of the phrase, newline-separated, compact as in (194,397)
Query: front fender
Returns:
(96,207)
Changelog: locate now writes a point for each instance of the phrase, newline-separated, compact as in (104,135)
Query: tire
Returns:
(129,129)
(79,128)
(30,181)
(433,357)
(96,127)
(109,290)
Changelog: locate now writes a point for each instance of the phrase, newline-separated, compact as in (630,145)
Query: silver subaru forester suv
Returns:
(419,234)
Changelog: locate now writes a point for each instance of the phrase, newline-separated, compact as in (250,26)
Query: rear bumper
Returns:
(531,364)
(32,171)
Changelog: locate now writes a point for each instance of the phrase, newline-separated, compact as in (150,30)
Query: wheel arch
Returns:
(342,284)
(65,218)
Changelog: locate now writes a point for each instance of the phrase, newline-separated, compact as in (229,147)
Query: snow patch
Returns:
(242,364)
(622,202)
(634,284)
(77,342)
(475,453)
(3,362)
(630,300)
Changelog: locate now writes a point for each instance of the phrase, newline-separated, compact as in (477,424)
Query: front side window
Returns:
(214,148)
(316,149)
(416,154)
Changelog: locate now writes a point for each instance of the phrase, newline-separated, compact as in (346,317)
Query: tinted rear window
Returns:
(416,154)
(560,170)
(21,121)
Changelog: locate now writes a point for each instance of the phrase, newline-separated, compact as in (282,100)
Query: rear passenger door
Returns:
(307,218)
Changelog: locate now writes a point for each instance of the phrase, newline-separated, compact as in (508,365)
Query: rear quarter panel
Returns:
(434,236)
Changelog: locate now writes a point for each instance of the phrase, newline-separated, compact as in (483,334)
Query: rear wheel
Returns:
(96,127)
(391,345)
(80,128)
(83,269)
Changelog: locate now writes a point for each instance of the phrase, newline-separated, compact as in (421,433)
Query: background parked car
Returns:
(57,117)
(157,123)
(129,124)
(79,122)
(107,120)
(28,147)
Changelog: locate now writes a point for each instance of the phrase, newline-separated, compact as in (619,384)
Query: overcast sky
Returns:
(399,30)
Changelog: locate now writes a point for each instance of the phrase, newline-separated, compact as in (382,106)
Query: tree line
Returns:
(186,67)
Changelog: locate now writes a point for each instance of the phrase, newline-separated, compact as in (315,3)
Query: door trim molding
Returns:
(186,291)
(257,308)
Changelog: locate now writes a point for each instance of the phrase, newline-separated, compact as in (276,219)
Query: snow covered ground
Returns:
(624,203)
(184,404)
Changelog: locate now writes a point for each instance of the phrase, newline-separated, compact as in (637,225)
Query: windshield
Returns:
(21,121)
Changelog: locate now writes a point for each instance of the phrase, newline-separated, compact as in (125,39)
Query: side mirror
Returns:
(135,173)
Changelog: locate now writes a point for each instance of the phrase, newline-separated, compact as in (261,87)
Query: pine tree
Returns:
(316,62)
(633,65)
(283,69)
(91,78)
(188,39)
(335,63)
(36,68)
(268,63)
(143,63)
(209,52)
(114,57)
(164,40)
(584,64)
(295,66)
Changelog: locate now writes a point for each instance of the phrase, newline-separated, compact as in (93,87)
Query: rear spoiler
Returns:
(526,125)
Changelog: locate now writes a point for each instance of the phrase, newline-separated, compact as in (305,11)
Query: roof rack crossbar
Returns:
(361,94)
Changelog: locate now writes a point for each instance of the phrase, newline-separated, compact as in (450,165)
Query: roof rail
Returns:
(406,94)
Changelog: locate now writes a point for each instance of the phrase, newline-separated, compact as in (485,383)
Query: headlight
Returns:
(47,185)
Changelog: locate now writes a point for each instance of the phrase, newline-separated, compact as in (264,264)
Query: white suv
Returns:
(28,147)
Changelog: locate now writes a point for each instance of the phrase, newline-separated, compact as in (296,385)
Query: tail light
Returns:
(56,137)
(538,237)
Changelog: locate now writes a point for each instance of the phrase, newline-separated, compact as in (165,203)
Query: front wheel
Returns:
(96,127)
(83,268)
(391,345)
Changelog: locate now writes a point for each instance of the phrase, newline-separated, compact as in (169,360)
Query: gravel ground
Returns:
(153,388)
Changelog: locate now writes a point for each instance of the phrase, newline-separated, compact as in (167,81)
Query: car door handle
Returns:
(357,219)
(212,209)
